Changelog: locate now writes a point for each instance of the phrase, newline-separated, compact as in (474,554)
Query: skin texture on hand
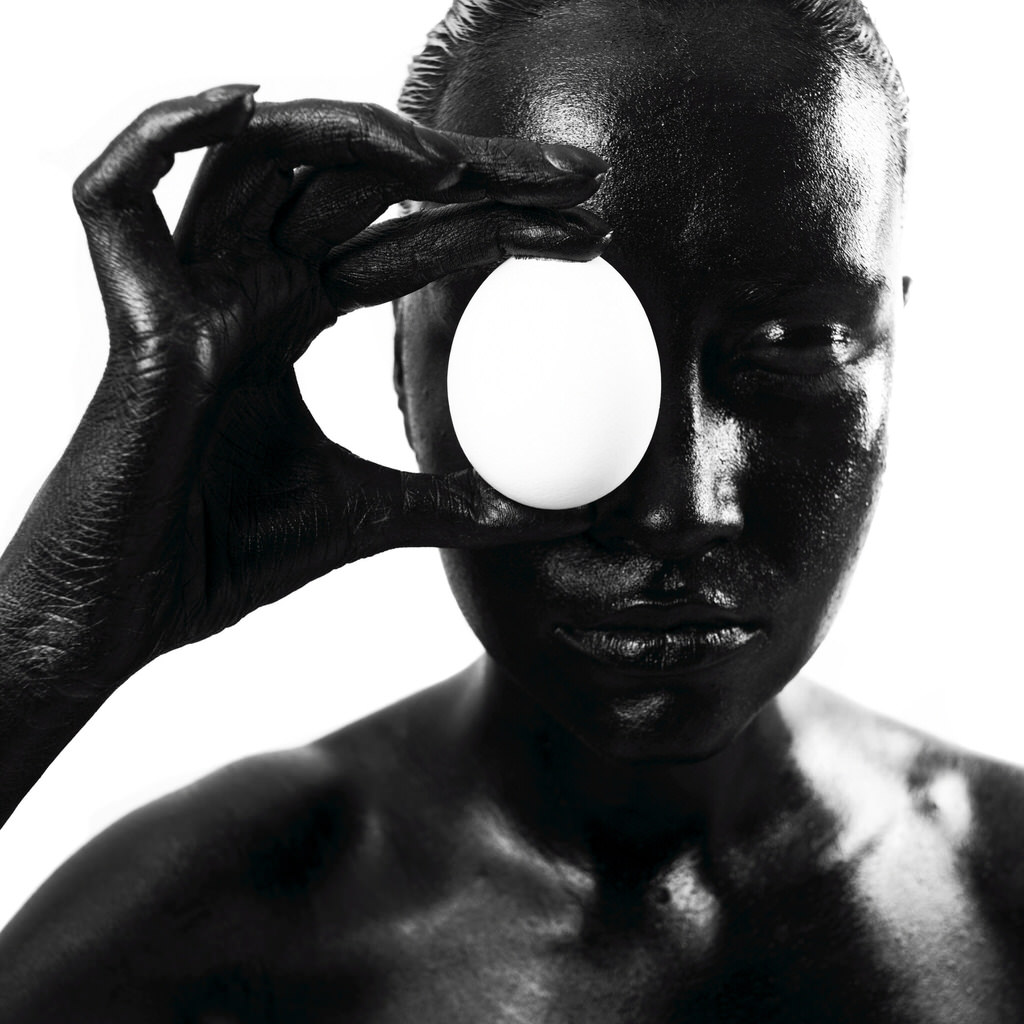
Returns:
(553,835)
(198,486)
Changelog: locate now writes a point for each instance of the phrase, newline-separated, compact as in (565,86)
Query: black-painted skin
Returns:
(545,838)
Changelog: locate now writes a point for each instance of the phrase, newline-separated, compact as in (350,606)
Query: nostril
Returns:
(667,530)
(610,538)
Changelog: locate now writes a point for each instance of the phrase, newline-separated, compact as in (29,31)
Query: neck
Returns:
(563,796)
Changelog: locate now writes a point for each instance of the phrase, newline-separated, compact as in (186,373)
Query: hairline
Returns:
(843,25)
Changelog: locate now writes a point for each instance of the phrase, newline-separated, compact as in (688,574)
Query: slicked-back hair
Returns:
(844,25)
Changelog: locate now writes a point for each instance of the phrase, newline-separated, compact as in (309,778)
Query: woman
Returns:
(615,814)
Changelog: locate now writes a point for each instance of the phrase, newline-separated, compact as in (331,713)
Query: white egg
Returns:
(554,382)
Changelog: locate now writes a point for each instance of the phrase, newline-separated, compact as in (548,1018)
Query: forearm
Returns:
(48,687)
(36,723)
(77,589)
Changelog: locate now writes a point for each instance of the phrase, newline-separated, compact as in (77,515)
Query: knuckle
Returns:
(379,126)
(474,503)
(157,112)
(138,149)
(101,187)
(505,231)
(156,120)
(368,113)
(366,120)
(151,127)
(501,240)
(89,191)
(504,150)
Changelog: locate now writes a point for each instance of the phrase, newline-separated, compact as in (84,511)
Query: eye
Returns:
(806,350)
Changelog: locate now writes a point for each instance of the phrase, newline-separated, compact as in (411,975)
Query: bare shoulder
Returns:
(966,804)
(193,898)
(190,887)
(995,857)
(971,790)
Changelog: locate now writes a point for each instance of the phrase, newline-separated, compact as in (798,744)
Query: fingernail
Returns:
(567,241)
(590,222)
(572,160)
(227,93)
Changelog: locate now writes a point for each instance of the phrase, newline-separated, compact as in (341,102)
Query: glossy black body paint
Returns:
(755,199)
(618,814)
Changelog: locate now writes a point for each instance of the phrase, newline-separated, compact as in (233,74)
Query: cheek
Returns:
(810,491)
(502,596)
(817,510)
(426,327)
(429,421)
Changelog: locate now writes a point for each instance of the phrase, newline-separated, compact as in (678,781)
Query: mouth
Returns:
(661,638)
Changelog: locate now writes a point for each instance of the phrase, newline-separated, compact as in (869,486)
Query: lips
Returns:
(661,615)
(663,637)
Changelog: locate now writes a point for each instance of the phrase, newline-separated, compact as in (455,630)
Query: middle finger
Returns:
(412,161)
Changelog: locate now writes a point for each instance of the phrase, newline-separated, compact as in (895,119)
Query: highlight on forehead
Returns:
(843,26)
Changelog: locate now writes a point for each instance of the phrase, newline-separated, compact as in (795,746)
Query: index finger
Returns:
(520,172)
(244,186)
(136,266)
(436,165)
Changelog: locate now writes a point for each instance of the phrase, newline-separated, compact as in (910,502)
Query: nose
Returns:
(683,498)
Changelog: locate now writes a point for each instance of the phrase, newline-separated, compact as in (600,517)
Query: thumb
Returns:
(453,510)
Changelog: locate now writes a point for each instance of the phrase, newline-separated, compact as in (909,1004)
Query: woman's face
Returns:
(755,196)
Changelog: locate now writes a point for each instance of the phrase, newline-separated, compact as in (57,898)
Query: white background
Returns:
(930,628)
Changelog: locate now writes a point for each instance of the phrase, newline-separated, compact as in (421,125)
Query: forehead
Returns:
(738,142)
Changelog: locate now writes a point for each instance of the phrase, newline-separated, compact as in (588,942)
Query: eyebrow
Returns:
(771,291)
(835,294)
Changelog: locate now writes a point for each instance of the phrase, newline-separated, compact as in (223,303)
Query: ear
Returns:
(398,373)
(906,289)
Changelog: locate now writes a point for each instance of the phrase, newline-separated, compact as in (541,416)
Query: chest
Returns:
(473,957)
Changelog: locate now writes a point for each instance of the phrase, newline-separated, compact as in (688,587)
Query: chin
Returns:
(656,730)
(650,720)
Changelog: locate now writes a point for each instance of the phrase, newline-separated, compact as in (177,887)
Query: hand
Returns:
(228,495)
